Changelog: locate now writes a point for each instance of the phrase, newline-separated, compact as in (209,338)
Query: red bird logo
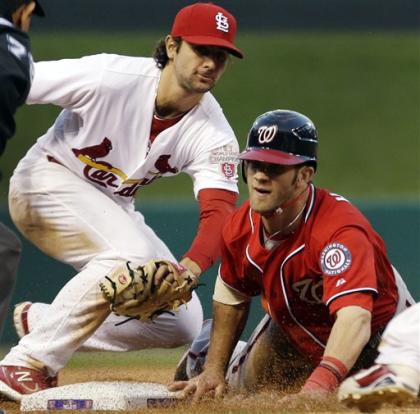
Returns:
(95,151)
(162,165)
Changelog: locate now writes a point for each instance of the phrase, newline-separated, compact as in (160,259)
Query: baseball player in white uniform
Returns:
(126,122)
(395,377)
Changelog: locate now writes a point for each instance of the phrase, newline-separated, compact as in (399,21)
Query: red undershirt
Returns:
(215,205)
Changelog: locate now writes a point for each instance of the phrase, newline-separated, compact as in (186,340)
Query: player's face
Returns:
(198,68)
(270,185)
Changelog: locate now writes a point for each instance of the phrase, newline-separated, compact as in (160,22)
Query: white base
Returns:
(97,395)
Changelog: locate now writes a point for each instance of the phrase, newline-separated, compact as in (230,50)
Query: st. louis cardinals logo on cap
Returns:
(335,259)
(206,24)
(222,22)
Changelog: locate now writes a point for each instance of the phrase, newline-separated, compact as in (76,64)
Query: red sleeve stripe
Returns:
(348,292)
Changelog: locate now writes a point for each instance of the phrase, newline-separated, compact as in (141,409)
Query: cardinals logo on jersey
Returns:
(106,175)
(163,167)
(99,172)
(95,151)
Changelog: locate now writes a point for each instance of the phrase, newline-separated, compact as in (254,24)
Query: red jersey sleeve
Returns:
(215,206)
(347,263)
(233,268)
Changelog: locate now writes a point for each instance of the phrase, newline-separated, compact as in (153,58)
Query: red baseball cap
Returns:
(206,24)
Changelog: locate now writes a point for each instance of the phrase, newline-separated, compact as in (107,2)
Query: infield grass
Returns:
(362,91)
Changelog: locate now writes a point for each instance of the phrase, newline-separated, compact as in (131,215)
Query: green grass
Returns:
(362,91)
(156,358)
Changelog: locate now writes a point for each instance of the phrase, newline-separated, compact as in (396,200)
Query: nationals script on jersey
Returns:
(103,133)
(335,259)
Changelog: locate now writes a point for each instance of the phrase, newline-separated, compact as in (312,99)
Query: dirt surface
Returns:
(266,402)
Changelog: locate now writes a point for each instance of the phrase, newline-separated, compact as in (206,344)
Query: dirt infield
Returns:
(267,402)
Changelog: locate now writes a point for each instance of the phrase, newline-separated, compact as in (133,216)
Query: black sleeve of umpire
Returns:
(14,88)
(7,111)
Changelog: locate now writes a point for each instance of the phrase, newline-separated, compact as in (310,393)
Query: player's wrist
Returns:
(215,367)
(326,376)
(191,265)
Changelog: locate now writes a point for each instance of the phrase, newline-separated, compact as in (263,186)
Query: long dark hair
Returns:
(160,56)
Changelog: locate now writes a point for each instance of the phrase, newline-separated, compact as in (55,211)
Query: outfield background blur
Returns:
(352,66)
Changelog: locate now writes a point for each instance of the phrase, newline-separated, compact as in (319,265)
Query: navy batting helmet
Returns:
(7,7)
(282,137)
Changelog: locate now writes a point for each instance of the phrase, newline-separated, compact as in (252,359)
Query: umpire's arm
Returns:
(14,84)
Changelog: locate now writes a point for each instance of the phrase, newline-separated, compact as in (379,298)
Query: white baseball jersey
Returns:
(103,133)
(83,215)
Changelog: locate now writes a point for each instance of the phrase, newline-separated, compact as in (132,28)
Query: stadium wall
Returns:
(40,277)
(262,15)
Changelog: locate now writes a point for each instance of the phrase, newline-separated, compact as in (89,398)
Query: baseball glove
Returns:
(149,290)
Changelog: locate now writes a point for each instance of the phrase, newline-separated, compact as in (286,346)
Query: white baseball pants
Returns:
(401,340)
(74,222)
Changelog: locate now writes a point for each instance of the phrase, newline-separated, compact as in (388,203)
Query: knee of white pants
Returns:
(400,341)
(181,329)
(188,322)
(166,331)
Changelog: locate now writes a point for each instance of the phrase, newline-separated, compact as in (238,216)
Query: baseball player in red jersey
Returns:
(126,122)
(325,280)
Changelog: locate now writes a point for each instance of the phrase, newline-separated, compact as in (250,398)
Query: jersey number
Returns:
(309,291)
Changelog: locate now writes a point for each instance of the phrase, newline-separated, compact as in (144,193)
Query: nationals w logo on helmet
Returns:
(266,134)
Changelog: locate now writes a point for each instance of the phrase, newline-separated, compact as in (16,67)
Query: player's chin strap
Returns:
(288,203)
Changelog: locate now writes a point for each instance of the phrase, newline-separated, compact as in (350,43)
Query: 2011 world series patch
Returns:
(335,259)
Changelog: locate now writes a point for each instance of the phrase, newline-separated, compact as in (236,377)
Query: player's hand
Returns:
(144,292)
(191,265)
(208,383)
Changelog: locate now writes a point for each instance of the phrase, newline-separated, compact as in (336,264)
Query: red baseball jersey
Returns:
(335,259)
